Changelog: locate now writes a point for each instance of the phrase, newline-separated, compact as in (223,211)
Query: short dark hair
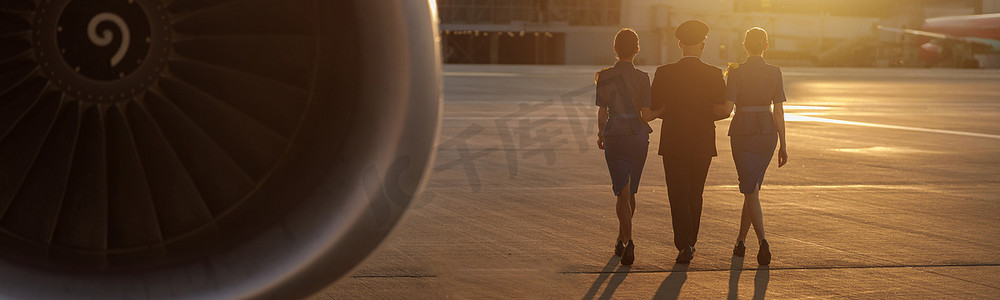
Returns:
(755,40)
(626,43)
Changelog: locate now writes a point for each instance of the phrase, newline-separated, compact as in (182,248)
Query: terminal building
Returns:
(802,32)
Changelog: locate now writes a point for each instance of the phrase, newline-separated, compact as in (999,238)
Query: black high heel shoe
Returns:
(628,255)
(764,255)
(619,247)
(740,249)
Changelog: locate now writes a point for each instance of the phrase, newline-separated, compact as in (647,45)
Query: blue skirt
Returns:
(625,154)
(752,154)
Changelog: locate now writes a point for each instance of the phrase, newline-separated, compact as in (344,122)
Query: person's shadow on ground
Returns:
(760,279)
(671,286)
(605,273)
(735,269)
(615,281)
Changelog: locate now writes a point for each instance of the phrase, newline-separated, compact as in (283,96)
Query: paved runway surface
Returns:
(891,190)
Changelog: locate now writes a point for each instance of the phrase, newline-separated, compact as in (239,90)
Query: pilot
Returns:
(683,95)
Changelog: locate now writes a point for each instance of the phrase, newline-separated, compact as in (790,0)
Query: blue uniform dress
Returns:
(624,90)
(753,86)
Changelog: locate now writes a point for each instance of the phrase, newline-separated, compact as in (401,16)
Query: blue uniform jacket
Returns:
(754,83)
(624,90)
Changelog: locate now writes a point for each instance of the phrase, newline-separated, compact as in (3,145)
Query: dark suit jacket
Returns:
(687,89)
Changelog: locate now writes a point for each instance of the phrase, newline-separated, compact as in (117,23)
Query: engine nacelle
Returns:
(197,149)
(931,53)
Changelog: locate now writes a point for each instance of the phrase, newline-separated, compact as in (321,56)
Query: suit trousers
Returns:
(685,184)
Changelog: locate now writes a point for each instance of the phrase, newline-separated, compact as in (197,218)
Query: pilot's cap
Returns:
(691,32)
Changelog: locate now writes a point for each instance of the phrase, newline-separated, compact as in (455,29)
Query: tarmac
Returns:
(891,191)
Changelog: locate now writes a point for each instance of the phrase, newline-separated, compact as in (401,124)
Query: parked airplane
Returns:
(955,40)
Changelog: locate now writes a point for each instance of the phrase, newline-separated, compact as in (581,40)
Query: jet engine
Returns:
(220,149)
(931,53)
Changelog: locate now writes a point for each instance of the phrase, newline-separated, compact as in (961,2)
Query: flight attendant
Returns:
(752,88)
(623,132)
